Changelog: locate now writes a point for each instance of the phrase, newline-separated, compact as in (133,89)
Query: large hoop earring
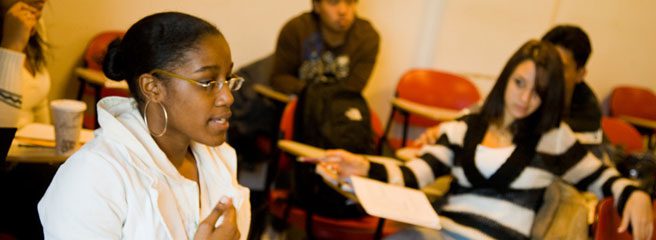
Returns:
(166,119)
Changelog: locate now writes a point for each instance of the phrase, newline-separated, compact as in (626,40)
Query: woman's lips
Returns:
(222,122)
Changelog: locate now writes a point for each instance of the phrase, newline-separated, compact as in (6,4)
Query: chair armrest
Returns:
(300,149)
(304,150)
(270,93)
(93,77)
(435,113)
(641,122)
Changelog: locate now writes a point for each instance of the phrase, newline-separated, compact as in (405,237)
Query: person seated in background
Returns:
(24,87)
(24,80)
(581,108)
(329,44)
(325,57)
(504,157)
(159,166)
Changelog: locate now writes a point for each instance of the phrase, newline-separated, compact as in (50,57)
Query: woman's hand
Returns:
(428,137)
(638,210)
(226,230)
(18,25)
(346,163)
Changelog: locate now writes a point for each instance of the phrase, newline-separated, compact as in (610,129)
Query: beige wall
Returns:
(464,36)
(479,36)
(251,27)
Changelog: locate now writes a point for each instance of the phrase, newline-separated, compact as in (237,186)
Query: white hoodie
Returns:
(122,186)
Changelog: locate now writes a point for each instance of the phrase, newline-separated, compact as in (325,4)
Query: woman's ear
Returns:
(152,89)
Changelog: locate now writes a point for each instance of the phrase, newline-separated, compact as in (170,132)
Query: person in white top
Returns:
(24,80)
(159,166)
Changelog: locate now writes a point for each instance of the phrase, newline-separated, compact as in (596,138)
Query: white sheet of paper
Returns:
(395,202)
(40,131)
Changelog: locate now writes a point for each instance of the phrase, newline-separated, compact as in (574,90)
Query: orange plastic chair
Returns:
(629,102)
(623,134)
(608,220)
(92,81)
(431,88)
(634,102)
(322,227)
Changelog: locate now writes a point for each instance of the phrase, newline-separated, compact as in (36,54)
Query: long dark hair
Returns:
(156,41)
(549,85)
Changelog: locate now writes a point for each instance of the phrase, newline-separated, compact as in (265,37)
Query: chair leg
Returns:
(379,229)
(406,123)
(383,138)
(272,166)
(80,91)
(309,229)
(95,112)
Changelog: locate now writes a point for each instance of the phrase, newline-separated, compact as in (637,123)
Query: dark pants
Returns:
(21,188)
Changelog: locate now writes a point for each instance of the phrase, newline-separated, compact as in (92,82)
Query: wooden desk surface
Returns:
(22,152)
(435,113)
(98,78)
(642,122)
(35,143)
(304,150)
(271,93)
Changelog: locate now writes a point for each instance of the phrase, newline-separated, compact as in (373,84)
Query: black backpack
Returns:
(329,116)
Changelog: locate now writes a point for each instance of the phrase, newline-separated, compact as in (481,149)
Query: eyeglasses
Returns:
(234,82)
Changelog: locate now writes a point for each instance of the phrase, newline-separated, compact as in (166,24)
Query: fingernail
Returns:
(224,200)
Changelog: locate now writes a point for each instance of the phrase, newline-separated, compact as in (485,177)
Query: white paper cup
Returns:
(67,118)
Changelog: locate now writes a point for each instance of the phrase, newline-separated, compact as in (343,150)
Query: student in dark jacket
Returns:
(329,44)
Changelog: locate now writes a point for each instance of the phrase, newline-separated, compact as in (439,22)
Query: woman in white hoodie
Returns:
(159,167)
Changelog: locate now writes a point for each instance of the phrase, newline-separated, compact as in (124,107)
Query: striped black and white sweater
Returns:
(496,193)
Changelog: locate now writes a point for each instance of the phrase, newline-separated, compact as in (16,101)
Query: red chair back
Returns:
(287,132)
(435,88)
(622,133)
(633,101)
(97,48)
(608,220)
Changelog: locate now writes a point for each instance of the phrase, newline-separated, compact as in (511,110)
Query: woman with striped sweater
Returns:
(504,157)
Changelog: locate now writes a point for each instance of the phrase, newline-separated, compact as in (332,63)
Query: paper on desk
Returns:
(395,203)
(40,131)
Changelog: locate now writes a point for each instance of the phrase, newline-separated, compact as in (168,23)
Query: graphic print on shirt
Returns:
(321,64)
